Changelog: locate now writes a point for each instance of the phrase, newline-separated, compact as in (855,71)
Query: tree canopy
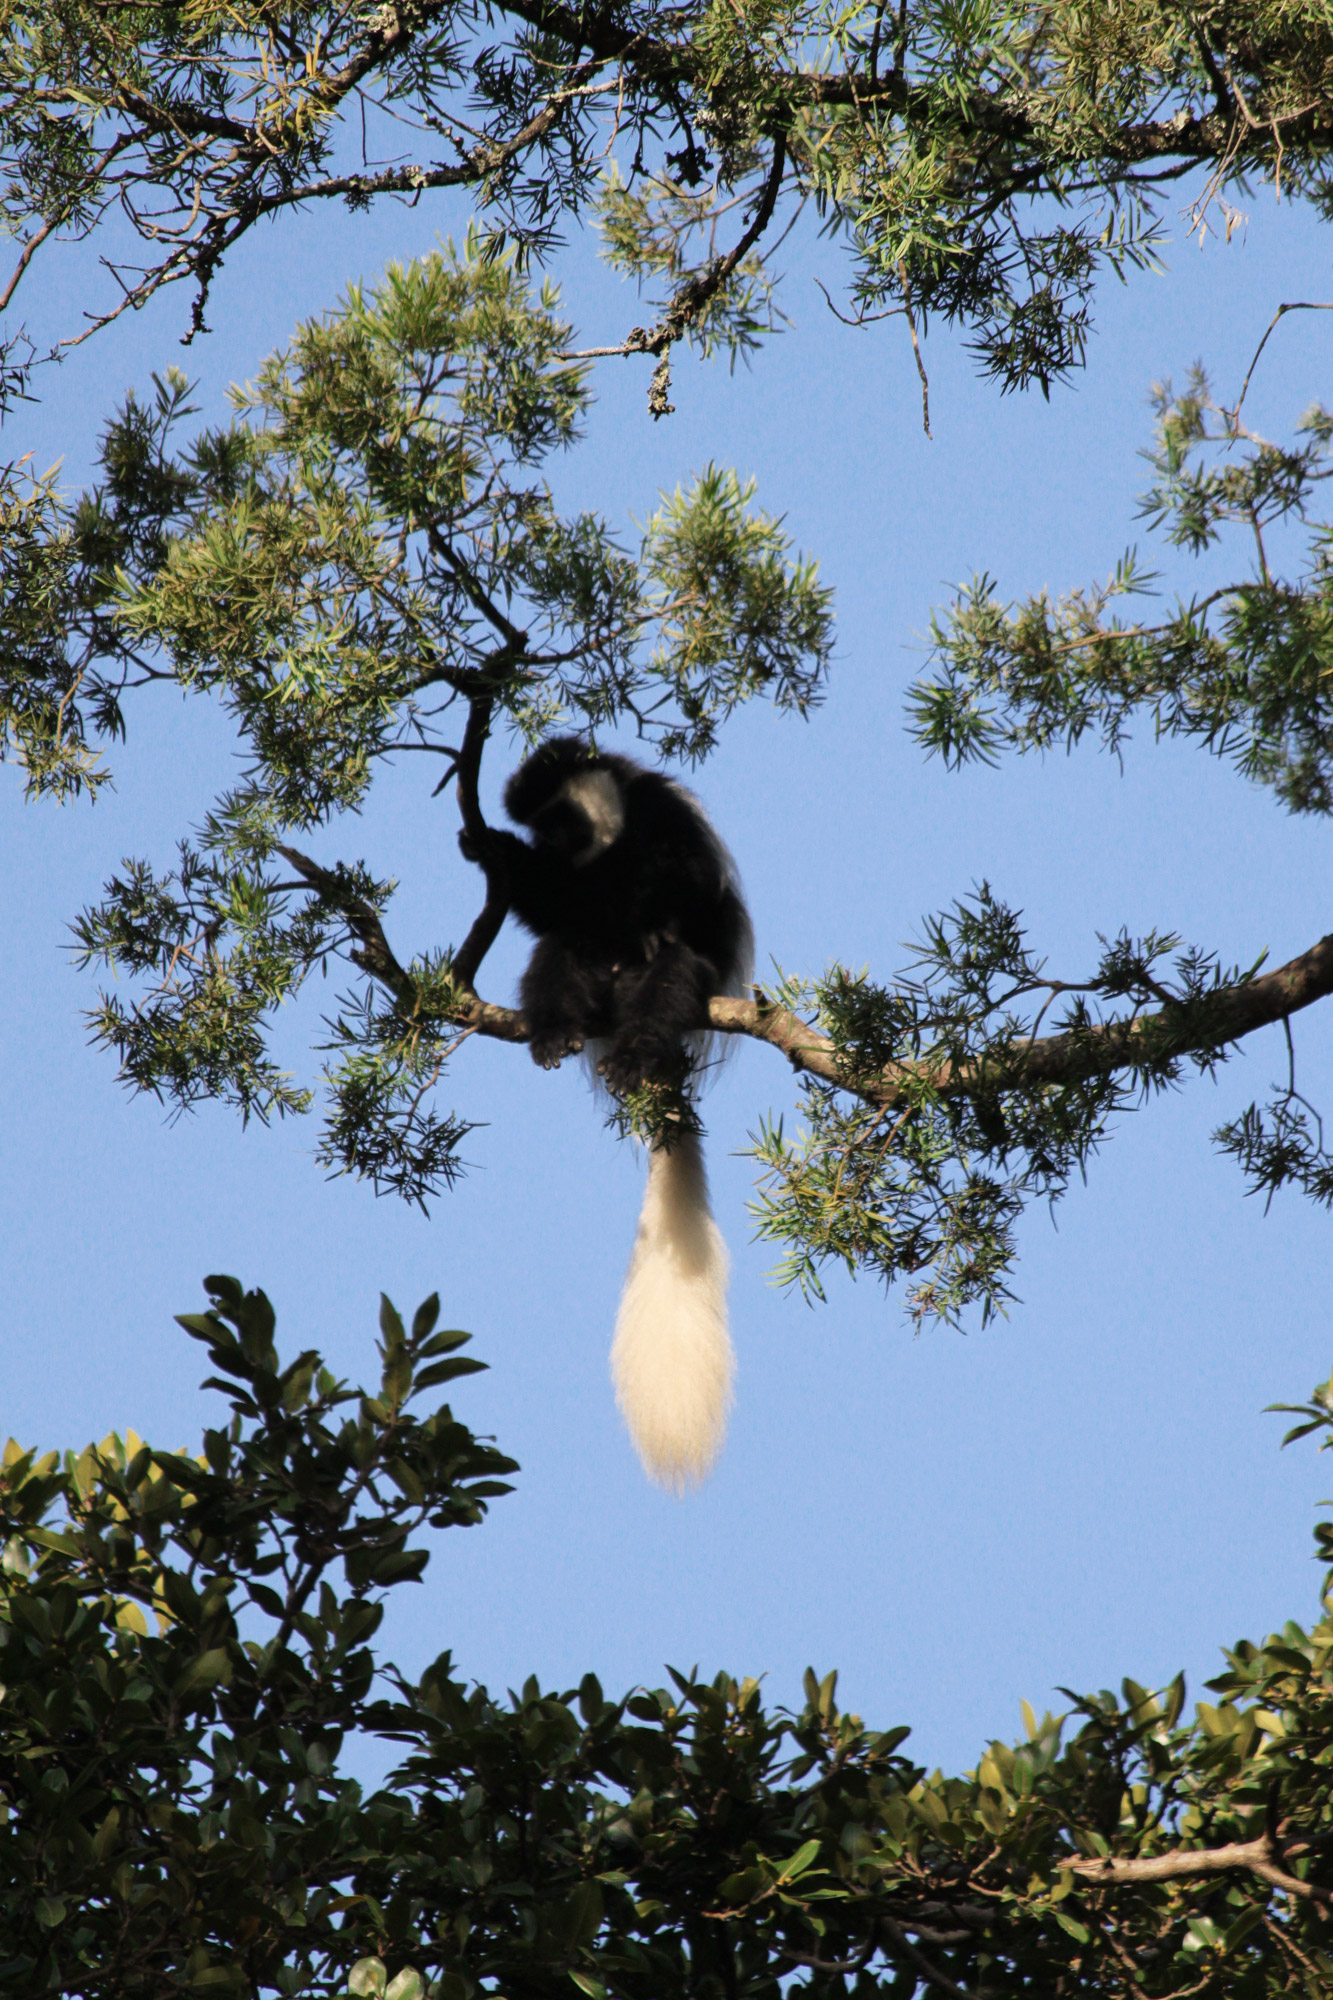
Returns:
(982,163)
(368,563)
(188,1667)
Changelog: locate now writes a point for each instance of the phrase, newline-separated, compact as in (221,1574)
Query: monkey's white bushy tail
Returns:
(671,1360)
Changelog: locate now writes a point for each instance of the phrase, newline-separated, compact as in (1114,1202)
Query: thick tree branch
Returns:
(1182,136)
(1256,1857)
(1074,1056)
(220,174)
(1071,1057)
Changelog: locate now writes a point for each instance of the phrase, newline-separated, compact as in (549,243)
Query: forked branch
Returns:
(371,950)
(697,290)
(373,953)
(1256,1857)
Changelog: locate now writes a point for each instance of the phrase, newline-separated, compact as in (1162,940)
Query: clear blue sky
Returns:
(1085,1490)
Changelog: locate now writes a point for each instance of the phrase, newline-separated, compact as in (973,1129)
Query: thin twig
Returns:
(54,221)
(916,348)
(862,318)
(1292,306)
(928,1971)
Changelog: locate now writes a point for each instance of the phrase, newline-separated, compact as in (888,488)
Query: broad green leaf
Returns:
(206,1671)
(804,1857)
(448,1371)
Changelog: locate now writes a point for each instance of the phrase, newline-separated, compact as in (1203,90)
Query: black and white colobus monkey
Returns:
(639,920)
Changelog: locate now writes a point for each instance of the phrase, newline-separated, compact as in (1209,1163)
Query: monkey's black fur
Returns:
(632,942)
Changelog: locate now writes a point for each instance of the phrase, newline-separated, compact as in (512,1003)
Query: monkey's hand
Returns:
(493,847)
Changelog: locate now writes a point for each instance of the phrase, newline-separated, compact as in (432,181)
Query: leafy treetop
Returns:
(188,1666)
(982,162)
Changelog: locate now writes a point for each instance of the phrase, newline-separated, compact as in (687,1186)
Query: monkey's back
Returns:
(667,876)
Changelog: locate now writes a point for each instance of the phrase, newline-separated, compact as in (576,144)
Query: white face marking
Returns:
(597,796)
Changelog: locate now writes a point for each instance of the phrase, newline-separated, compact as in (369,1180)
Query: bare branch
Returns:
(1291,306)
(916,346)
(486,928)
(1256,1857)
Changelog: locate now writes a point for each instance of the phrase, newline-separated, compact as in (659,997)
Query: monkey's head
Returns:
(571,796)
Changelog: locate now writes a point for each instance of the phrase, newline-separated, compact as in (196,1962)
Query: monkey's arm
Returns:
(533,878)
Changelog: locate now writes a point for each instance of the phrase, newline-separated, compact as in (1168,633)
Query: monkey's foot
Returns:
(630,1064)
(548,1049)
